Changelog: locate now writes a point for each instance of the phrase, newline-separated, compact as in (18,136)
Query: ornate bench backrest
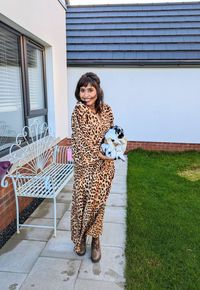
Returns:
(36,144)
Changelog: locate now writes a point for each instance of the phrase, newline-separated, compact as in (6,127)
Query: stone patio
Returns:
(34,259)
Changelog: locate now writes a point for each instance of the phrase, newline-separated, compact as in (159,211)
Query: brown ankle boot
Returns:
(95,250)
(82,246)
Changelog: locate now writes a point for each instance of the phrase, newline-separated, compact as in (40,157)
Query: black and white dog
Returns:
(114,143)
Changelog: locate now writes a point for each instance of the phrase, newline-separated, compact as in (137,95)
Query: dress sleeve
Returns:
(84,151)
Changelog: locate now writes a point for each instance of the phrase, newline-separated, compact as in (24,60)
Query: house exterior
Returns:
(147,56)
(33,81)
(148,59)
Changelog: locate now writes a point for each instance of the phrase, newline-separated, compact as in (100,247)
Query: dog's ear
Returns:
(121,135)
(117,129)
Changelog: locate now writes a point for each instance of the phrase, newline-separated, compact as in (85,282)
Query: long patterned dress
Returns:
(92,175)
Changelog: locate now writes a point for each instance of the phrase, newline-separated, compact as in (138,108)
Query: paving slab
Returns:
(119,179)
(109,268)
(117,188)
(115,199)
(65,222)
(11,281)
(52,274)
(37,234)
(60,247)
(113,235)
(45,210)
(84,284)
(118,191)
(115,214)
(120,164)
(20,255)
(68,187)
(71,179)
(120,171)
(64,196)
(119,182)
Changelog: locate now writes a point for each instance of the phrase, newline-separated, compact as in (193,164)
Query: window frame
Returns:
(22,49)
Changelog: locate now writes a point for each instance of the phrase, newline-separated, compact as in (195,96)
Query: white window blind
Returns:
(11,109)
(35,77)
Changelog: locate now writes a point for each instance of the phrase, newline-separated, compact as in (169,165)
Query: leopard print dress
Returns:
(92,175)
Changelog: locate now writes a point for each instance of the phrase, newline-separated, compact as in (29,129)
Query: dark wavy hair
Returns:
(92,79)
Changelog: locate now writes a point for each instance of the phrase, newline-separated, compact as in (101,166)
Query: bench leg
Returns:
(54,205)
(17,213)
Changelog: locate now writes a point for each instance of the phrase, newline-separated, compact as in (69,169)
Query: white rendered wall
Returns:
(44,21)
(151,104)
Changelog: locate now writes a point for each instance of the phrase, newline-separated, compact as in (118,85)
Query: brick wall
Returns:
(163,146)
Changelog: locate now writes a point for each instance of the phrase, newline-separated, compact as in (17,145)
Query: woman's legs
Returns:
(90,193)
(95,250)
(82,250)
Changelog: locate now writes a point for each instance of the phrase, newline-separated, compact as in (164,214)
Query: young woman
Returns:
(93,172)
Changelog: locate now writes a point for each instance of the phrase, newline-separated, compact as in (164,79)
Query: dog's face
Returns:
(118,131)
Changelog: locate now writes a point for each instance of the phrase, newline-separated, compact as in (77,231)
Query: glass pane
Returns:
(37,121)
(35,77)
(11,109)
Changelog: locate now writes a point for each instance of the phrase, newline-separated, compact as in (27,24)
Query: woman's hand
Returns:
(103,157)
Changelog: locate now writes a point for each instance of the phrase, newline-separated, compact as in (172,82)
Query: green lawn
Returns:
(163,221)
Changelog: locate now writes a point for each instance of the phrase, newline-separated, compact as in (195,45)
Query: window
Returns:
(22,85)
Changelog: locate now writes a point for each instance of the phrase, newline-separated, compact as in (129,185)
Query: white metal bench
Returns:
(40,169)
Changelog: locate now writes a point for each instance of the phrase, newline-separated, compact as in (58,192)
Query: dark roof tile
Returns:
(134,34)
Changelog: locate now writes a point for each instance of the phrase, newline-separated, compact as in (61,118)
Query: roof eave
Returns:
(132,63)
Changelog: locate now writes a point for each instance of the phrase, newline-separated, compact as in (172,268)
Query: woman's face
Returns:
(88,95)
